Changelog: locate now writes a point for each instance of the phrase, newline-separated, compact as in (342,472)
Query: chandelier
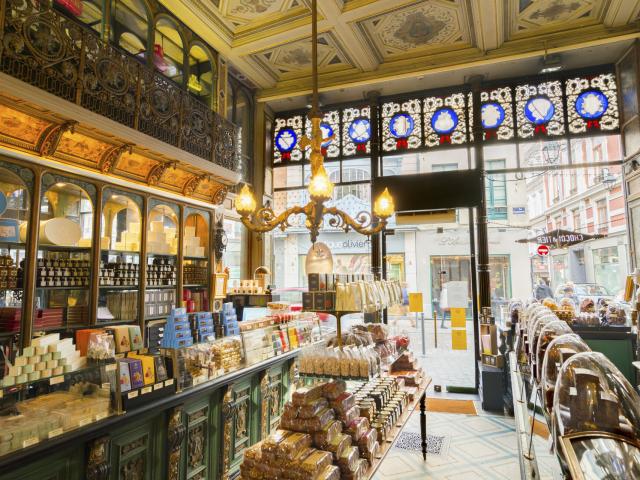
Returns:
(320,187)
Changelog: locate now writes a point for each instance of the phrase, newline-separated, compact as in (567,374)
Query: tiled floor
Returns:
(476,447)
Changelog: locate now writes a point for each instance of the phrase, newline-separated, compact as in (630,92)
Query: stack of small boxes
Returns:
(129,239)
(195,300)
(229,320)
(48,356)
(228,353)
(162,240)
(191,244)
(158,303)
(202,326)
(155,334)
(177,330)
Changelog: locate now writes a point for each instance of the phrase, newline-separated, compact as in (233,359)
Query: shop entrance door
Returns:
(439,262)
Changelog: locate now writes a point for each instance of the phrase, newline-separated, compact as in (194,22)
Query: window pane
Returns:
(284,177)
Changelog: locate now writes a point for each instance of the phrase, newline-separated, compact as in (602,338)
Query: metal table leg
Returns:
(423,424)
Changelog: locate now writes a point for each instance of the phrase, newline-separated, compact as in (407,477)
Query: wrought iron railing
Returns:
(44,48)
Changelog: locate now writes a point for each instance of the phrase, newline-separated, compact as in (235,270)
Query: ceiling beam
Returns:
(621,12)
(488,24)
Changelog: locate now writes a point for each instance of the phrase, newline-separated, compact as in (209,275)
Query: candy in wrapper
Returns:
(327,434)
(371,454)
(349,415)
(270,444)
(312,465)
(254,452)
(358,427)
(366,441)
(348,461)
(312,408)
(359,473)
(330,472)
(334,389)
(338,445)
(307,394)
(308,425)
(343,403)
(292,445)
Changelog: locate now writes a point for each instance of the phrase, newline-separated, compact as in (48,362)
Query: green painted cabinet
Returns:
(65,465)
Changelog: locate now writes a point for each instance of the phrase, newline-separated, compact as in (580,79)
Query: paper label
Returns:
(106,386)
(55,432)
(132,394)
(56,380)
(30,441)
(146,390)
(84,421)
(157,386)
(168,382)
(110,367)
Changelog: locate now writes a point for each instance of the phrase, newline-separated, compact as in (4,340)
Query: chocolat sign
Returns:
(560,238)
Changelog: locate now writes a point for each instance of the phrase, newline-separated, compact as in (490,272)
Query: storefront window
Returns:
(234,258)
(608,272)
(559,270)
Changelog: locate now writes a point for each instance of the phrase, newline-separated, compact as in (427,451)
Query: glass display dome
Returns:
(532,336)
(558,351)
(596,414)
(549,332)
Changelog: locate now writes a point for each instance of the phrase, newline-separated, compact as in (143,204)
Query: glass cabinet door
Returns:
(63,269)
(162,258)
(120,245)
(196,273)
(14,219)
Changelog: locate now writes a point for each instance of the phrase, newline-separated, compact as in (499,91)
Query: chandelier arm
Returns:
(364,224)
(265,220)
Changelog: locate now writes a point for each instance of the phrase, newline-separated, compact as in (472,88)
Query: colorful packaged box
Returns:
(121,335)
(135,337)
(135,372)
(125,376)
(148,367)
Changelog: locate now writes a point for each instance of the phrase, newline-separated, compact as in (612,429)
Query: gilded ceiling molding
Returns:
(157,172)
(192,184)
(50,138)
(111,157)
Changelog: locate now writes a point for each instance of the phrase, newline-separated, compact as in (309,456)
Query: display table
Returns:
(385,448)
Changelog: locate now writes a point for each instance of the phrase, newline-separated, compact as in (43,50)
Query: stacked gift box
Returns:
(202,328)
(158,303)
(322,289)
(122,305)
(177,330)
(229,320)
(195,300)
(155,334)
(8,272)
(138,370)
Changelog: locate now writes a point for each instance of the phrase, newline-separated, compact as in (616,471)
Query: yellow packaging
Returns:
(293,337)
(148,367)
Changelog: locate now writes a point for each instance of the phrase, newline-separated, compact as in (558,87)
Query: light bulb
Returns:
(245,201)
(383,207)
(320,187)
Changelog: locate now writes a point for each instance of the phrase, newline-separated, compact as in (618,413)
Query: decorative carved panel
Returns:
(197,443)
(175,435)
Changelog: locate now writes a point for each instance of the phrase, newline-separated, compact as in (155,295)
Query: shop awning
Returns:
(559,238)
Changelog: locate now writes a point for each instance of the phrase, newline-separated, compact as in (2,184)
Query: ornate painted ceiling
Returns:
(364,41)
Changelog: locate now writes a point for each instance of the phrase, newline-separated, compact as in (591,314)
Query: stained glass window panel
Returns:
(592,103)
(445,120)
(497,114)
(539,109)
(330,125)
(401,125)
(356,131)
(287,135)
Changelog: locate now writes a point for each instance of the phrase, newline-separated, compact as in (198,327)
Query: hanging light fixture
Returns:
(320,186)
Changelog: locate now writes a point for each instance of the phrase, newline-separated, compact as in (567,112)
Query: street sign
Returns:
(543,250)
(415,302)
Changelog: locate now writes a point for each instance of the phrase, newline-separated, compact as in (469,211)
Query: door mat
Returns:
(436,444)
(448,405)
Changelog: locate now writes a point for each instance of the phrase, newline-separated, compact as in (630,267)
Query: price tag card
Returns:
(30,441)
(158,386)
(56,380)
(119,355)
(168,382)
(55,432)
(84,421)
(132,394)
(110,367)
(146,390)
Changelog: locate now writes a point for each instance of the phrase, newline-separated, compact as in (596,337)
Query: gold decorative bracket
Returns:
(264,407)
(192,184)
(111,157)
(228,415)
(98,464)
(220,195)
(50,139)
(156,173)
(176,432)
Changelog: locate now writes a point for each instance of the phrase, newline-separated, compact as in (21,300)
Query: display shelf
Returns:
(160,287)
(14,245)
(195,258)
(63,288)
(119,287)
(54,380)
(119,252)
(156,317)
(196,285)
(63,248)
